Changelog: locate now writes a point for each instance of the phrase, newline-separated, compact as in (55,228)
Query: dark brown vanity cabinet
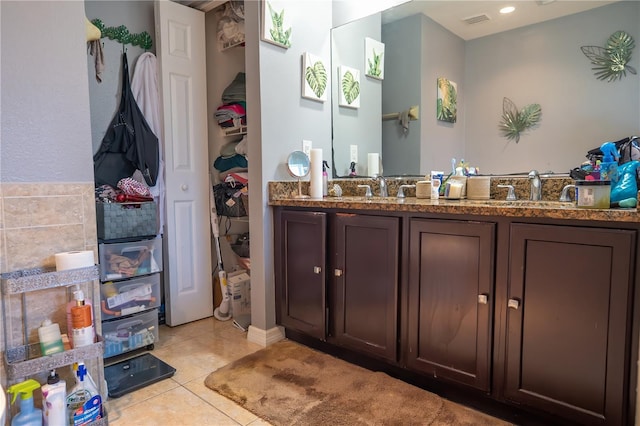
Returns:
(450,309)
(364,283)
(300,258)
(568,321)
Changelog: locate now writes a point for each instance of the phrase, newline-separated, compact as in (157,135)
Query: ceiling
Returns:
(452,14)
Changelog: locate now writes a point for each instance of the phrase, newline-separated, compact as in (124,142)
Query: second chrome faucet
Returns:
(535,193)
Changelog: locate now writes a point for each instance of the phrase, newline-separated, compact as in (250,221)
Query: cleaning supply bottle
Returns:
(84,402)
(325,178)
(72,302)
(50,338)
(352,169)
(28,415)
(609,165)
(54,401)
(81,321)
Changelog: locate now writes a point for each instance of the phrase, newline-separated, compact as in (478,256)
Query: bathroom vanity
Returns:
(530,304)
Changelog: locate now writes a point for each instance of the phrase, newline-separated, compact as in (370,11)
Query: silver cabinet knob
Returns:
(483,299)
(317,269)
(184,187)
(513,303)
(337,272)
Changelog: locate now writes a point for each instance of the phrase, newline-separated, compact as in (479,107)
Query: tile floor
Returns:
(194,350)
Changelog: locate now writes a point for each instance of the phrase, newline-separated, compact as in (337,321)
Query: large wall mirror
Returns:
(537,63)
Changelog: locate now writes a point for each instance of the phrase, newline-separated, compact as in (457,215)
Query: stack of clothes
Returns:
(232,159)
(232,112)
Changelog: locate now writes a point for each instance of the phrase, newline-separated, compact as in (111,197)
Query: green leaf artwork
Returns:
(375,65)
(350,87)
(277,31)
(515,122)
(374,58)
(316,76)
(446,107)
(612,61)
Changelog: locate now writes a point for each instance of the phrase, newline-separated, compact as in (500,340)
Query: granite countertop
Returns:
(281,194)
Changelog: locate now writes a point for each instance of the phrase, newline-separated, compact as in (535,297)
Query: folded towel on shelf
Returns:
(228,112)
(236,91)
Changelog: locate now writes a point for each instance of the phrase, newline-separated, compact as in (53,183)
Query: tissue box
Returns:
(124,220)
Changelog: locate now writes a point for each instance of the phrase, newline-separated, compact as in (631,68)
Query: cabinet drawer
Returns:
(129,333)
(130,259)
(121,298)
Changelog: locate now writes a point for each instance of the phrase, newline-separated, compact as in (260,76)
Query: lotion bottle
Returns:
(81,321)
(70,305)
(54,401)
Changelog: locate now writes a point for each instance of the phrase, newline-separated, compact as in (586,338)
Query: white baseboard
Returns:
(265,337)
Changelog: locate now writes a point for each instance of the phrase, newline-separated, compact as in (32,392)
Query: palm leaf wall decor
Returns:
(350,87)
(316,76)
(612,61)
(515,122)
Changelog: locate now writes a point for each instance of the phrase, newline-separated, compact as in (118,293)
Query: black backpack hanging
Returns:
(128,144)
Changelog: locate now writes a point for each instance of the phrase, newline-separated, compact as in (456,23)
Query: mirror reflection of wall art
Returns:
(314,78)
(349,87)
(447,109)
(612,61)
(374,58)
(275,27)
(515,122)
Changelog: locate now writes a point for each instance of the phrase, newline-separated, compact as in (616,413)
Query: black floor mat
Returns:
(135,373)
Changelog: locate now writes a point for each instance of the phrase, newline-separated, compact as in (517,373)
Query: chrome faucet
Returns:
(383,185)
(536,186)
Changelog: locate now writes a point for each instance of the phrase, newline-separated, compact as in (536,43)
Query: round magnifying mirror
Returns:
(298,165)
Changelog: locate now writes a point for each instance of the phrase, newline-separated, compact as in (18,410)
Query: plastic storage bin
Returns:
(122,298)
(123,220)
(130,333)
(130,259)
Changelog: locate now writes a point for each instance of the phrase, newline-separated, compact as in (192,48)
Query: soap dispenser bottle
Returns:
(325,178)
(28,415)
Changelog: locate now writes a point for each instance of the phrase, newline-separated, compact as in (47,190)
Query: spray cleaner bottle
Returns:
(28,414)
(83,401)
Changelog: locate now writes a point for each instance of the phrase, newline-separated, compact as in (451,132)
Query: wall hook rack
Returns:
(122,35)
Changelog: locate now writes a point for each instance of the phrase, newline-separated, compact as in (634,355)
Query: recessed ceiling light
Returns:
(507,9)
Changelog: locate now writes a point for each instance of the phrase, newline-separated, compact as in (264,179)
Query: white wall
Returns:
(284,119)
(46,133)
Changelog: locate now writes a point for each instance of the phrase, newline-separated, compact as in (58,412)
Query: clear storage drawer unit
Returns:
(130,333)
(130,259)
(121,298)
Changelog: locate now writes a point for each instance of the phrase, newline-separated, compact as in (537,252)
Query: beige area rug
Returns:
(291,384)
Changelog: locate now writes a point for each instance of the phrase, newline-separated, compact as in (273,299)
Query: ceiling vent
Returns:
(476,19)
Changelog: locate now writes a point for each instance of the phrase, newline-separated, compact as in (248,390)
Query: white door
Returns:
(180,38)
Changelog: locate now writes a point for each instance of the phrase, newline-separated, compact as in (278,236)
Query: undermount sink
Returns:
(525,203)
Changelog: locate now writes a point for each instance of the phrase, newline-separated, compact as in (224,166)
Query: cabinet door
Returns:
(365,283)
(567,321)
(300,254)
(450,300)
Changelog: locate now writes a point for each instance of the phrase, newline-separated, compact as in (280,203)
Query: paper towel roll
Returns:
(74,260)
(315,190)
(373,164)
